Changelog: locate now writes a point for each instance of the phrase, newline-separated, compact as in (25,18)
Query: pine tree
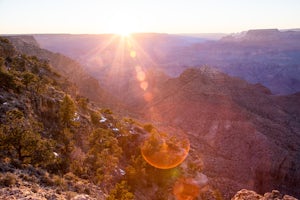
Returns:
(21,139)
(67,111)
(103,156)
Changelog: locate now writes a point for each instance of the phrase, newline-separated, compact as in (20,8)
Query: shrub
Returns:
(20,139)
(7,81)
(95,118)
(60,182)
(46,180)
(29,78)
(18,64)
(103,156)
(106,111)
(8,179)
(120,192)
(4,40)
(67,111)
(82,102)
(148,127)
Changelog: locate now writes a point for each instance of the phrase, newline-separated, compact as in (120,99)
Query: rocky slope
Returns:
(86,84)
(32,143)
(32,183)
(241,136)
(246,137)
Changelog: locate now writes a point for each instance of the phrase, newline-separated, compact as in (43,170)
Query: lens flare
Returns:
(141,76)
(186,189)
(138,68)
(132,54)
(164,151)
(144,85)
(148,96)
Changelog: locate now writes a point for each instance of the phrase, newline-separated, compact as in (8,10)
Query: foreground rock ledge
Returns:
(251,195)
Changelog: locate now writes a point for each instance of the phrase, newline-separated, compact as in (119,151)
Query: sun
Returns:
(123,31)
(123,24)
(123,28)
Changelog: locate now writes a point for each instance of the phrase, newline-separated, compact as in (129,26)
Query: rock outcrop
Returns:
(251,195)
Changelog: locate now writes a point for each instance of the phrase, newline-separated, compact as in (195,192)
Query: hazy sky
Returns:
(164,16)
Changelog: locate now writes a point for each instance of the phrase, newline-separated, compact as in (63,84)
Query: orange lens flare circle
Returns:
(186,189)
(165,152)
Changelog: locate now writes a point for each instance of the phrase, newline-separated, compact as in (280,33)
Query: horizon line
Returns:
(150,32)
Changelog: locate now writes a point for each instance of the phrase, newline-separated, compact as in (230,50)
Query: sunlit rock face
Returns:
(246,137)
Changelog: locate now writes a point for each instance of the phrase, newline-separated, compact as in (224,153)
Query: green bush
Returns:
(21,139)
(18,64)
(103,156)
(28,78)
(7,81)
(67,111)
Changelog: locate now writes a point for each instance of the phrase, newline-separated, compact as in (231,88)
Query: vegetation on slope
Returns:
(48,129)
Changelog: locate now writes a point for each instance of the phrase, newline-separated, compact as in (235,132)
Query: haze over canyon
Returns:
(143,115)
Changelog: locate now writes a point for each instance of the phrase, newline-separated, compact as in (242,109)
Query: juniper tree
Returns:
(21,139)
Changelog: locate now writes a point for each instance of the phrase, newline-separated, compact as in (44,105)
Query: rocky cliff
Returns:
(246,137)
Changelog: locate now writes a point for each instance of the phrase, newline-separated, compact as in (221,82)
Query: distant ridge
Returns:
(266,56)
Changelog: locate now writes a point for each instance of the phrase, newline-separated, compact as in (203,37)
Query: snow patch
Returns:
(102,120)
(76,117)
(122,172)
(115,129)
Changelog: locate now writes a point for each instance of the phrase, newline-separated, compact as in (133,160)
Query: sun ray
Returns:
(99,53)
